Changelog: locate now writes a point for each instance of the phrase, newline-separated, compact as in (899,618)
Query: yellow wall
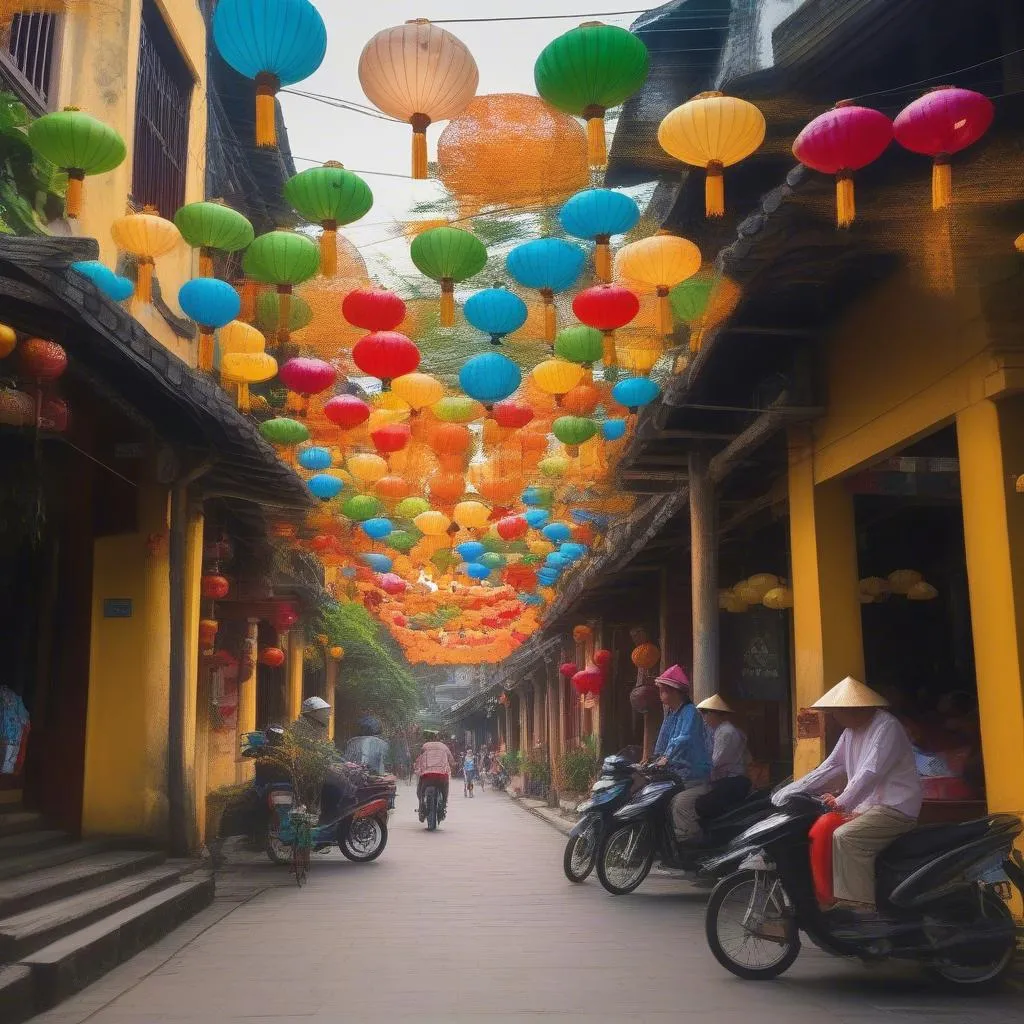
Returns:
(197,713)
(99,61)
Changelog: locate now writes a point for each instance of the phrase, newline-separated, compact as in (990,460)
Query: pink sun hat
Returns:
(674,677)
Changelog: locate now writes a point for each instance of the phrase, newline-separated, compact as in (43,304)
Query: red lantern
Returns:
(272,657)
(346,411)
(400,620)
(839,142)
(511,414)
(512,527)
(54,416)
(386,354)
(568,669)
(602,658)
(285,616)
(588,680)
(214,587)
(606,307)
(373,309)
(522,577)
(41,360)
(392,437)
(307,377)
(940,123)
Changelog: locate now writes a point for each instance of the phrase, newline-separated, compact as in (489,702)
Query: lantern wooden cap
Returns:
(417,21)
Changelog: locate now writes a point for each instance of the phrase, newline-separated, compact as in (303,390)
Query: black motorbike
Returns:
(434,808)
(620,778)
(642,830)
(940,893)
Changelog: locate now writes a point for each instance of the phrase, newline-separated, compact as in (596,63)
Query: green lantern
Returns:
(493,544)
(268,314)
(283,259)
(455,409)
(702,301)
(588,70)
(572,431)
(493,560)
(580,344)
(78,144)
(361,507)
(443,559)
(213,225)
(331,197)
(448,255)
(284,433)
(410,508)
(554,466)
(402,541)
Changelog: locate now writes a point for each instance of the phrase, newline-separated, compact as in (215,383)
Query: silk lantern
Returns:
(346,411)
(712,131)
(283,259)
(103,277)
(597,214)
(418,73)
(145,236)
(417,390)
(702,302)
(489,377)
(386,355)
(331,197)
(607,308)
(315,459)
(557,376)
(839,142)
(448,255)
(304,377)
(579,344)
(634,392)
(373,309)
(940,123)
(573,431)
(511,415)
(274,42)
(390,438)
(212,304)
(586,71)
(659,263)
(495,311)
(243,361)
(79,145)
(268,313)
(212,225)
(550,265)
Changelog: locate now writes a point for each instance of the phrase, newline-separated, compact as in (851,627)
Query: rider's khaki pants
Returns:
(684,813)
(857,844)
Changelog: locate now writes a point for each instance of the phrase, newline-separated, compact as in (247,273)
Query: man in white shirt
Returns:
(873,762)
(730,784)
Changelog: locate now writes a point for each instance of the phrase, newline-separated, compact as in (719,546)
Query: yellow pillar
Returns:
(991,443)
(246,714)
(330,691)
(195,771)
(125,786)
(828,644)
(293,691)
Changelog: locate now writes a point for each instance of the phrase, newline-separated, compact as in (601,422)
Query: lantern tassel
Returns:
(846,208)
(942,183)
(696,336)
(243,396)
(608,356)
(550,315)
(266,110)
(714,190)
(419,124)
(938,254)
(204,360)
(603,259)
(248,296)
(205,261)
(73,197)
(447,302)
(597,145)
(663,315)
(144,284)
(284,314)
(329,249)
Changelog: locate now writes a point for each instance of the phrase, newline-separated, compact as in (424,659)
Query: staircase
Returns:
(72,910)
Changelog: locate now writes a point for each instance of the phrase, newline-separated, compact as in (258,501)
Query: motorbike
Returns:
(941,894)
(618,781)
(642,830)
(435,805)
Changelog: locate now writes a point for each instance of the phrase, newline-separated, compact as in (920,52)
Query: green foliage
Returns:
(535,765)
(513,761)
(305,757)
(579,766)
(31,188)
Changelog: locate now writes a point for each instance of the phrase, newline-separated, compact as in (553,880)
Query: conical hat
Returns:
(714,703)
(851,693)
(674,677)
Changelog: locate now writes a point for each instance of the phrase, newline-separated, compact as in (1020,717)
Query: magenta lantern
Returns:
(588,680)
(305,377)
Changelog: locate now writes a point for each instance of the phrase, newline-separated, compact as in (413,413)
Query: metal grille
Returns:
(27,57)
(162,108)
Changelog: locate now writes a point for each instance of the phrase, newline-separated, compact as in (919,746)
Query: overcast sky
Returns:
(505,52)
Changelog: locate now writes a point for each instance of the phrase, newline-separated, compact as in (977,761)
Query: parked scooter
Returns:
(940,893)
(642,830)
(619,780)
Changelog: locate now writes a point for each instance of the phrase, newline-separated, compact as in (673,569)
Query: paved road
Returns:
(476,923)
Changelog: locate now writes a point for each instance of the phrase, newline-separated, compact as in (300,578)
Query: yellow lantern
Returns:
(729,601)
(637,351)
(778,599)
(874,588)
(922,591)
(418,72)
(145,236)
(658,263)
(336,653)
(901,580)
(245,368)
(471,515)
(238,336)
(432,523)
(365,467)
(557,376)
(417,390)
(712,131)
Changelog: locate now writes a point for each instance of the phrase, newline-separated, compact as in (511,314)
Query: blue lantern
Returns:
(209,301)
(573,552)
(556,561)
(584,515)
(495,311)
(597,214)
(634,392)
(324,486)
(549,265)
(99,273)
(378,528)
(613,430)
(476,571)
(531,599)
(548,576)
(537,517)
(121,289)
(489,377)
(378,563)
(470,551)
(315,459)
(557,532)
(539,496)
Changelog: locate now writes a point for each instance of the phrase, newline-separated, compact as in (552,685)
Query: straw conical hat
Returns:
(714,703)
(851,693)
(674,677)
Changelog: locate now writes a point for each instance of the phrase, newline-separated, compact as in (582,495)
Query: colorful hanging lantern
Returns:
(268,313)
(419,73)
(579,344)
(613,430)
(272,657)
(457,409)
(634,392)
(145,236)
(588,70)
(417,390)
(511,415)
(104,278)
(550,265)
(702,302)
(646,656)
(373,309)
(573,431)
(346,411)
(712,131)
(210,226)
(41,361)
(557,376)
(658,263)
(839,142)
(304,377)
(315,459)
(602,658)
(284,432)
(79,145)
(243,361)
(361,507)
(489,377)
(274,42)
(940,123)
(212,304)
(495,311)
(471,515)
(582,400)
(448,255)
(283,259)
(386,355)
(607,308)
(331,197)
(208,636)
(214,587)
(390,438)
(597,214)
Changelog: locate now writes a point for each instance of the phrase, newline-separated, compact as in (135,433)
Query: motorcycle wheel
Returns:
(740,951)
(581,852)
(278,852)
(625,858)
(986,977)
(365,840)
(431,800)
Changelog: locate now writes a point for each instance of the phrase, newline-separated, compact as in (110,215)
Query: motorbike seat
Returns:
(933,839)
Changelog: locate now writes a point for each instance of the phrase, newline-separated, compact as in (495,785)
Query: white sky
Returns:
(505,52)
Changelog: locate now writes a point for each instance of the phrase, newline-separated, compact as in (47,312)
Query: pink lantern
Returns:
(839,142)
(306,377)
(391,583)
(602,658)
(940,123)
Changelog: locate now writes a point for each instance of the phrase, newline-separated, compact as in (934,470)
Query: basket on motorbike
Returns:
(298,829)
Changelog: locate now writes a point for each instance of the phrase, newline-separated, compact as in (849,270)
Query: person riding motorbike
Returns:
(434,765)
(730,785)
(314,719)
(367,748)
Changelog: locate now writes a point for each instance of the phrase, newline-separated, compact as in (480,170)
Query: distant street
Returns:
(477,923)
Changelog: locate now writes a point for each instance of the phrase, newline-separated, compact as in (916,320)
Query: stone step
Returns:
(15,821)
(35,888)
(49,856)
(69,964)
(24,933)
(19,843)
(16,1000)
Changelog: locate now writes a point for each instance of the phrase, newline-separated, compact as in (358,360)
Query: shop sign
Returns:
(117,608)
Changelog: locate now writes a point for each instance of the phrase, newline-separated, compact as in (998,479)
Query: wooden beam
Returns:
(690,435)
(653,474)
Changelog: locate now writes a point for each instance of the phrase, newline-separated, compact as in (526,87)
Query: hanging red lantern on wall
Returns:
(41,360)
(568,669)
(588,680)
(214,587)
(602,658)
(285,616)
(272,657)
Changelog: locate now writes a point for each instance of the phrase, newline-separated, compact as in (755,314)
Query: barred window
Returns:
(162,108)
(27,59)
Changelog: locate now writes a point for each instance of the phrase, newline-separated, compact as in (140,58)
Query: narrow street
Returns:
(476,922)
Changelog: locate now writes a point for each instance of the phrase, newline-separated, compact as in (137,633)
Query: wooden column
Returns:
(331,668)
(538,711)
(554,744)
(704,566)
(246,720)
